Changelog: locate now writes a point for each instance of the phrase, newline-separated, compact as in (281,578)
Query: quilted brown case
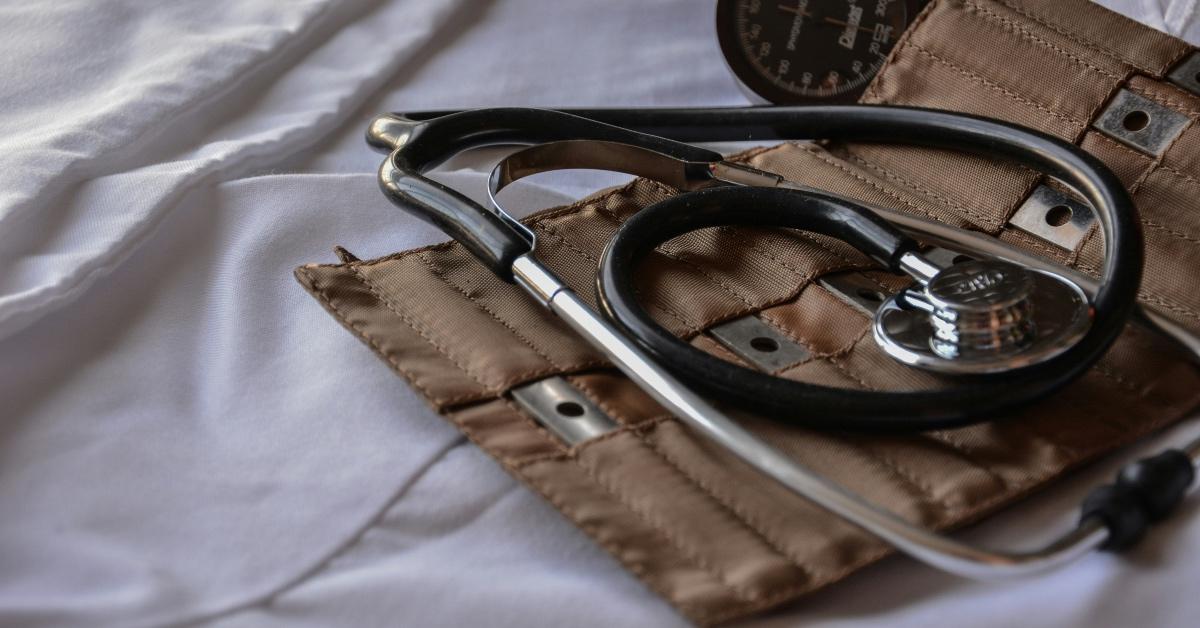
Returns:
(697,526)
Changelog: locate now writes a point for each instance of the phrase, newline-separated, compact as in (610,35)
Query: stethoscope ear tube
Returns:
(493,238)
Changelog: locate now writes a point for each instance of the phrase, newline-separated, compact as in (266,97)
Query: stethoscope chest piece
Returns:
(983,316)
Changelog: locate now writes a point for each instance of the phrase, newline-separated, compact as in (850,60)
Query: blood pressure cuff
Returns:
(697,526)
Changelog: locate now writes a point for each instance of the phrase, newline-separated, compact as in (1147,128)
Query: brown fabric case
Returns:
(694,524)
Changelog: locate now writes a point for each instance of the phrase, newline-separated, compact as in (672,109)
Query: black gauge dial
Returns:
(806,51)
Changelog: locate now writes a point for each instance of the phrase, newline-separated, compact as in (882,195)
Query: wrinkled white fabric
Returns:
(176,444)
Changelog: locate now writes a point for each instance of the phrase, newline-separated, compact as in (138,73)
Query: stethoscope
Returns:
(1014,327)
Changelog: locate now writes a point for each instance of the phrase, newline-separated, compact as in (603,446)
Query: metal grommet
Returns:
(1055,217)
(1141,123)
(856,289)
(759,343)
(561,408)
(1187,74)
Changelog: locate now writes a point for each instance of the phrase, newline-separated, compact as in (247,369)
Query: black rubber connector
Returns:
(1145,492)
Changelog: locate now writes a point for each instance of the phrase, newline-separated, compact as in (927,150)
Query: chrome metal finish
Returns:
(945,257)
(564,410)
(743,175)
(387,133)
(1187,74)
(962,337)
(759,343)
(536,279)
(980,308)
(1141,123)
(855,289)
(614,157)
(1055,217)
(919,267)
(955,243)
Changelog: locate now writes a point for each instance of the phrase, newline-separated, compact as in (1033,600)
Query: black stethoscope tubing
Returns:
(1113,517)
(972,399)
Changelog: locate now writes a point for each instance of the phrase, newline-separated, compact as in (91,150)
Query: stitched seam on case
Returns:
(408,321)
(811,239)
(592,530)
(985,221)
(837,364)
(823,356)
(917,485)
(996,86)
(509,461)
(482,306)
(536,218)
(805,235)
(1164,101)
(851,566)
(1112,54)
(1170,305)
(741,514)
(872,90)
(1029,35)
(953,446)
(942,440)
(1094,232)
(1111,141)
(1133,189)
(497,390)
(1182,175)
(618,550)
(1186,237)
(1024,238)
(945,201)
(688,327)
(803,277)
(327,300)
(821,155)
(764,253)
(1154,167)
(779,327)
(681,258)
(1152,298)
(689,553)
(738,512)
(695,559)
(1169,231)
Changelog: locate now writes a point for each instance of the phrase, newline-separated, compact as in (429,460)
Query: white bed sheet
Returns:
(174,445)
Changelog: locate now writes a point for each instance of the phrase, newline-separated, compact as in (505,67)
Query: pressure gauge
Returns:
(810,51)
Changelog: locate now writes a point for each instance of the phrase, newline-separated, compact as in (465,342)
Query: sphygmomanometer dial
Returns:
(810,51)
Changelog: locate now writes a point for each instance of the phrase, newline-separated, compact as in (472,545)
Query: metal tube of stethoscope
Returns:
(929,547)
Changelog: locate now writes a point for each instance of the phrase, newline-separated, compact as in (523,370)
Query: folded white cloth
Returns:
(175,441)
